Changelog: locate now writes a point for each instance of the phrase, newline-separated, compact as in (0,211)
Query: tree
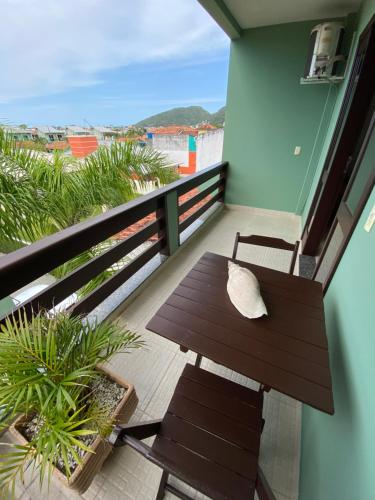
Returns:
(40,196)
(134,132)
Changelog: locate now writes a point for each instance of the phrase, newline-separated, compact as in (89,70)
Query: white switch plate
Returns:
(370,220)
(297,150)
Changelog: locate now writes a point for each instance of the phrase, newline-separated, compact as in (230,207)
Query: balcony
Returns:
(155,369)
(268,114)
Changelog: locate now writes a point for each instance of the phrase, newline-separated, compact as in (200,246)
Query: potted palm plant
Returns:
(54,380)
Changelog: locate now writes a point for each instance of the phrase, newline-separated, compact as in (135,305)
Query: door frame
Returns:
(349,221)
(353,115)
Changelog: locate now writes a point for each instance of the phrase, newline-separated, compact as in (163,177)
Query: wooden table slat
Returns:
(247,328)
(247,345)
(312,331)
(286,350)
(267,275)
(280,305)
(313,301)
(286,382)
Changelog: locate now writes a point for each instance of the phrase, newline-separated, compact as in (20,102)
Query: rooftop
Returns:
(49,130)
(77,129)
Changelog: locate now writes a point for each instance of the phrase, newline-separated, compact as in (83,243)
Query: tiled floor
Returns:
(154,370)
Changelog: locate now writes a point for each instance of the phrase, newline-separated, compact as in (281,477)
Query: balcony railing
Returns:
(21,267)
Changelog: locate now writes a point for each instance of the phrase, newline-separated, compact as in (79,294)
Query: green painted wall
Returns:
(269,113)
(338,452)
(192,143)
(356,24)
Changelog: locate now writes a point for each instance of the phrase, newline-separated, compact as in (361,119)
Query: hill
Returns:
(218,118)
(191,115)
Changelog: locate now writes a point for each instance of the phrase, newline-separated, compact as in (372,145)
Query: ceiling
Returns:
(253,13)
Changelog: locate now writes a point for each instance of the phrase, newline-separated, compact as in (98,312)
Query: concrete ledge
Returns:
(263,211)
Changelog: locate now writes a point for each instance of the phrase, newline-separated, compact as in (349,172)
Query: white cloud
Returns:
(152,102)
(48,46)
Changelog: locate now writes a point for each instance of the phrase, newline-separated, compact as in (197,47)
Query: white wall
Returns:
(209,148)
(174,147)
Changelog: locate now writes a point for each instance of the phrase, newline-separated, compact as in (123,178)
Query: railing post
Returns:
(223,177)
(171,222)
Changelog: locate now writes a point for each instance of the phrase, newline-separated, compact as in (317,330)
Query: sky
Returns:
(107,62)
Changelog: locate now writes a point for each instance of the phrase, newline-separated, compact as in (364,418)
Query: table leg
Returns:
(198,360)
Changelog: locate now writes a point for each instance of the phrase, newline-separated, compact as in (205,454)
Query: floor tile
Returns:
(155,369)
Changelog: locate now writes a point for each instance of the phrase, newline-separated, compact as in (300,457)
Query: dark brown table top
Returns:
(286,350)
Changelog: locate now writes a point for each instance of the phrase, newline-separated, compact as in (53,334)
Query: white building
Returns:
(77,130)
(51,134)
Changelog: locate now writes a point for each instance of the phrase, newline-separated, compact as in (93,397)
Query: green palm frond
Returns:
(115,170)
(39,196)
(47,365)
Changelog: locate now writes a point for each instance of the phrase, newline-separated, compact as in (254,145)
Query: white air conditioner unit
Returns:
(324,47)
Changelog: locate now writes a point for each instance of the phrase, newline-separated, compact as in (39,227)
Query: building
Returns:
(190,148)
(209,147)
(50,134)
(104,133)
(76,130)
(81,141)
(82,145)
(20,134)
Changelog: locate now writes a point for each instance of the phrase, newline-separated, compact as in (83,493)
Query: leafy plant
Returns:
(47,366)
(40,196)
(135,132)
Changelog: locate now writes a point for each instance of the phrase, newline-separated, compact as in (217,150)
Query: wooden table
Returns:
(286,350)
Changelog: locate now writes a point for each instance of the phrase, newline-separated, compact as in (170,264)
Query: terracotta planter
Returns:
(84,474)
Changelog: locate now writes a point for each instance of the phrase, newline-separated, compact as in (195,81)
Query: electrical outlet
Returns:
(297,150)
(370,220)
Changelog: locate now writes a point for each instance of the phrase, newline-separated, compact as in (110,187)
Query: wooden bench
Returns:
(209,438)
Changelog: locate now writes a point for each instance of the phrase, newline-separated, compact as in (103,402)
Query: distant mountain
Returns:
(218,118)
(191,115)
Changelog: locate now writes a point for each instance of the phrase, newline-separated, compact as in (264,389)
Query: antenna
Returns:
(89,124)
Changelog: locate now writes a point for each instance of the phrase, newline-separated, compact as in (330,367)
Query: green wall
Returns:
(269,113)
(338,452)
(356,24)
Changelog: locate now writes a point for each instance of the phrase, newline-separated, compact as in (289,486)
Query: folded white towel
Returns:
(243,291)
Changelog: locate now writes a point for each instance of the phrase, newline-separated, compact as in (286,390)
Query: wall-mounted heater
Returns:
(324,53)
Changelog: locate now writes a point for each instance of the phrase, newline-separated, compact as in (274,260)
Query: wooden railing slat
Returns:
(200,196)
(23,266)
(60,290)
(187,222)
(88,303)
(29,263)
(200,177)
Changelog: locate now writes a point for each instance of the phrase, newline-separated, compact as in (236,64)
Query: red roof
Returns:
(174,130)
(134,228)
(206,126)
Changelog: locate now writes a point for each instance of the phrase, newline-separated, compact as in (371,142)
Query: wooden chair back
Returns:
(267,241)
